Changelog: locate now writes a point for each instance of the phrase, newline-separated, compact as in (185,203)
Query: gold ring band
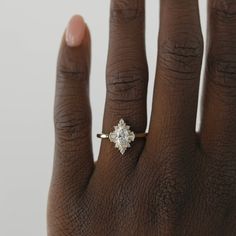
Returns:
(138,135)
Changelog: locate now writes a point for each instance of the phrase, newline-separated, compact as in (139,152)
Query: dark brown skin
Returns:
(176,182)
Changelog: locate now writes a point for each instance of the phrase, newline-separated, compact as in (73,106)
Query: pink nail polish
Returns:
(75,31)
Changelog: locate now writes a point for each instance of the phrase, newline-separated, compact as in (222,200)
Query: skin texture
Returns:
(177,181)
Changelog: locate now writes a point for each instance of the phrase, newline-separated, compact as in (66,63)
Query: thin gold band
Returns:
(106,136)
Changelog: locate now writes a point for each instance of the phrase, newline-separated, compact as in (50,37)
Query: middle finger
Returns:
(172,127)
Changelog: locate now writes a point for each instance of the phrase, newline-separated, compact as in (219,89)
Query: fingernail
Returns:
(75,31)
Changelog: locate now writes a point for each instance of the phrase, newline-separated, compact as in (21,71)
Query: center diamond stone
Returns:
(122,136)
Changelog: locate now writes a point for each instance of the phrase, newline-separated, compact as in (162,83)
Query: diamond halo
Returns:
(122,136)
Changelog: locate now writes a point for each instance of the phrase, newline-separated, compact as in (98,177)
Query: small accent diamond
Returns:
(122,136)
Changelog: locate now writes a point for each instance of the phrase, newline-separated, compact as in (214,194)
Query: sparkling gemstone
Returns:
(122,136)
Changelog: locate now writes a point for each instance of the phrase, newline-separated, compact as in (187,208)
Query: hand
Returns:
(176,181)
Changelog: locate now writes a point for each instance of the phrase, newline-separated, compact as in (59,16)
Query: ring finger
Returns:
(127,77)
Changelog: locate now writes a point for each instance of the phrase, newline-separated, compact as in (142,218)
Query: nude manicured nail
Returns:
(75,31)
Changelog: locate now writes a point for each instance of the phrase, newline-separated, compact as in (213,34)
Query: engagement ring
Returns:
(122,136)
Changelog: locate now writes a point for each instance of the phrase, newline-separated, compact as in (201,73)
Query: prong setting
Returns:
(122,136)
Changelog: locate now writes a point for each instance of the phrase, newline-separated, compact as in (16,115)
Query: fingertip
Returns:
(75,31)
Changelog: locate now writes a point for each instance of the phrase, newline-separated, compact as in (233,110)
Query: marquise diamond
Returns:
(122,136)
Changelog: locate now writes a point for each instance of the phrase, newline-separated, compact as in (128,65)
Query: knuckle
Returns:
(222,77)
(225,10)
(223,71)
(70,119)
(168,198)
(127,86)
(220,182)
(181,59)
(70,124)
(172,193)
(167,191)
(125,11)
(71,65)
(74,72)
